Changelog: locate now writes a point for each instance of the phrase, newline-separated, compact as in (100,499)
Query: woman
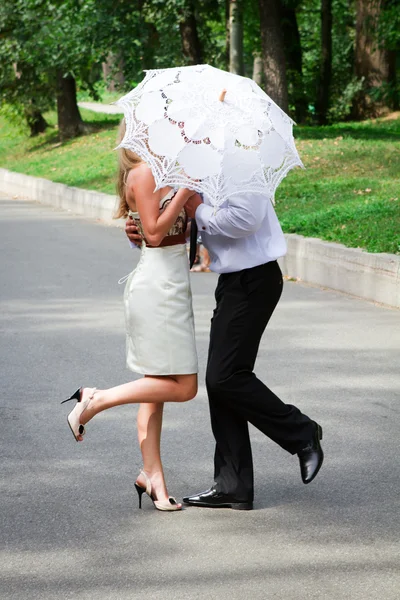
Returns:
(160,339)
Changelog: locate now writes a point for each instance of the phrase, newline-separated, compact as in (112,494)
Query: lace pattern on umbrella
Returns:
(249,154)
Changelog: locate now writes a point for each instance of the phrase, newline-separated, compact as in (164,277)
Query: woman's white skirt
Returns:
(160,336)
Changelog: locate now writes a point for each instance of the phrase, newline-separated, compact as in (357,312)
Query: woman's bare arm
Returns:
(147,203)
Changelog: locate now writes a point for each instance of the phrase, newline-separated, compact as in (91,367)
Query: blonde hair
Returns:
(127,160)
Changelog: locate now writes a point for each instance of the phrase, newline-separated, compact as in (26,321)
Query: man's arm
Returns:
(242,217)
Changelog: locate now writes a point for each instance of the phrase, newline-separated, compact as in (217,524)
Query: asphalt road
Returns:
(70,525)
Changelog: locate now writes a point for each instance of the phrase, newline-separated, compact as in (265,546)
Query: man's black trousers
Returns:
(245,302)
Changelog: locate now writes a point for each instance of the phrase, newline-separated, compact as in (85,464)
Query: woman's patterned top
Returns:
(177,228)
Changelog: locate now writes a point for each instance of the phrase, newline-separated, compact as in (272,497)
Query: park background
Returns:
(333,65)
(69,522)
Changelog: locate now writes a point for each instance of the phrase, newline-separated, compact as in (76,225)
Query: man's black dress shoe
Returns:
(311,456)
(213,499)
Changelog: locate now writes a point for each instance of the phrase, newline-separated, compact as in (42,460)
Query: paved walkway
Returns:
(110,109)
(69,522)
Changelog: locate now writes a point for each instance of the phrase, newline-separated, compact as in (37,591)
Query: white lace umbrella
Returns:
(209,130)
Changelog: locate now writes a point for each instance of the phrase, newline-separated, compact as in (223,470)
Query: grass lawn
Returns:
(348,193)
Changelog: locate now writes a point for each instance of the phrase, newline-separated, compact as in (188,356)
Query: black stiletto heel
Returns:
(140,492)
(166,505)
(76,396)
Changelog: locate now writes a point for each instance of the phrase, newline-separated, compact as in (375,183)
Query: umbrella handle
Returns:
(222,95)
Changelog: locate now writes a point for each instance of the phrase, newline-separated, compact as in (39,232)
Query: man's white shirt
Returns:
(242,233)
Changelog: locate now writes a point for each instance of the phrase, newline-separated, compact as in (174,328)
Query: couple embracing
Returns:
(244,240)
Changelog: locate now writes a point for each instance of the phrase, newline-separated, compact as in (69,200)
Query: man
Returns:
(244,240)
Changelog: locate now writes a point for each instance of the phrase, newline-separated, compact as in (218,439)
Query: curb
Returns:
(363,274)
(82,202)
(374,277)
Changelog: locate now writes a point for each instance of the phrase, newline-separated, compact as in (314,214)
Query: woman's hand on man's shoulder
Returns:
(192,204)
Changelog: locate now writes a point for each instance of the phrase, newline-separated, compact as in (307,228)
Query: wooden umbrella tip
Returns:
(222,95)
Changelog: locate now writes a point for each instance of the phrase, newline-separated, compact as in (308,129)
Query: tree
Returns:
(294,58)
(252,55)
(147,39)
(273,52)
(54,42)
(172,31)
(113,72)
(371,59)
(70,123)
(24,92)
(389,38)
(34,118)
(343,84)
(258,68)
(236,37)
(324,82)
(191,45)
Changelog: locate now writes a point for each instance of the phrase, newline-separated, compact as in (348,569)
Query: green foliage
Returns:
(213,33)
(40,38)
(14,113)
(252,34)
(57,35)
(22,84)
(308,18)
(343,86)
(388,33)
(386,94)
(343,101)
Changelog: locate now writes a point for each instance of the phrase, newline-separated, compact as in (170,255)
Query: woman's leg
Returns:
(149,422)
(149,389)
(197,261)
(205,259)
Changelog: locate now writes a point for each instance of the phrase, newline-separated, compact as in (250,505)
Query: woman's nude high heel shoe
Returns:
(170,504)
(75,415)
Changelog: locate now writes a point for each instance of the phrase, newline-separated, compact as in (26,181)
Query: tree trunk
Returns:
(294,59)
(392,79)
(191,45)
(227,34)
(152,40)
(258,68)
(273,52)
(70,123)
(324,83)
(35,120)
(236,37)
(113,72)
(370,61)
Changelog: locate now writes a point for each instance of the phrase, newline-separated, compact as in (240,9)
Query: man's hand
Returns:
(131,231)
(192,204)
